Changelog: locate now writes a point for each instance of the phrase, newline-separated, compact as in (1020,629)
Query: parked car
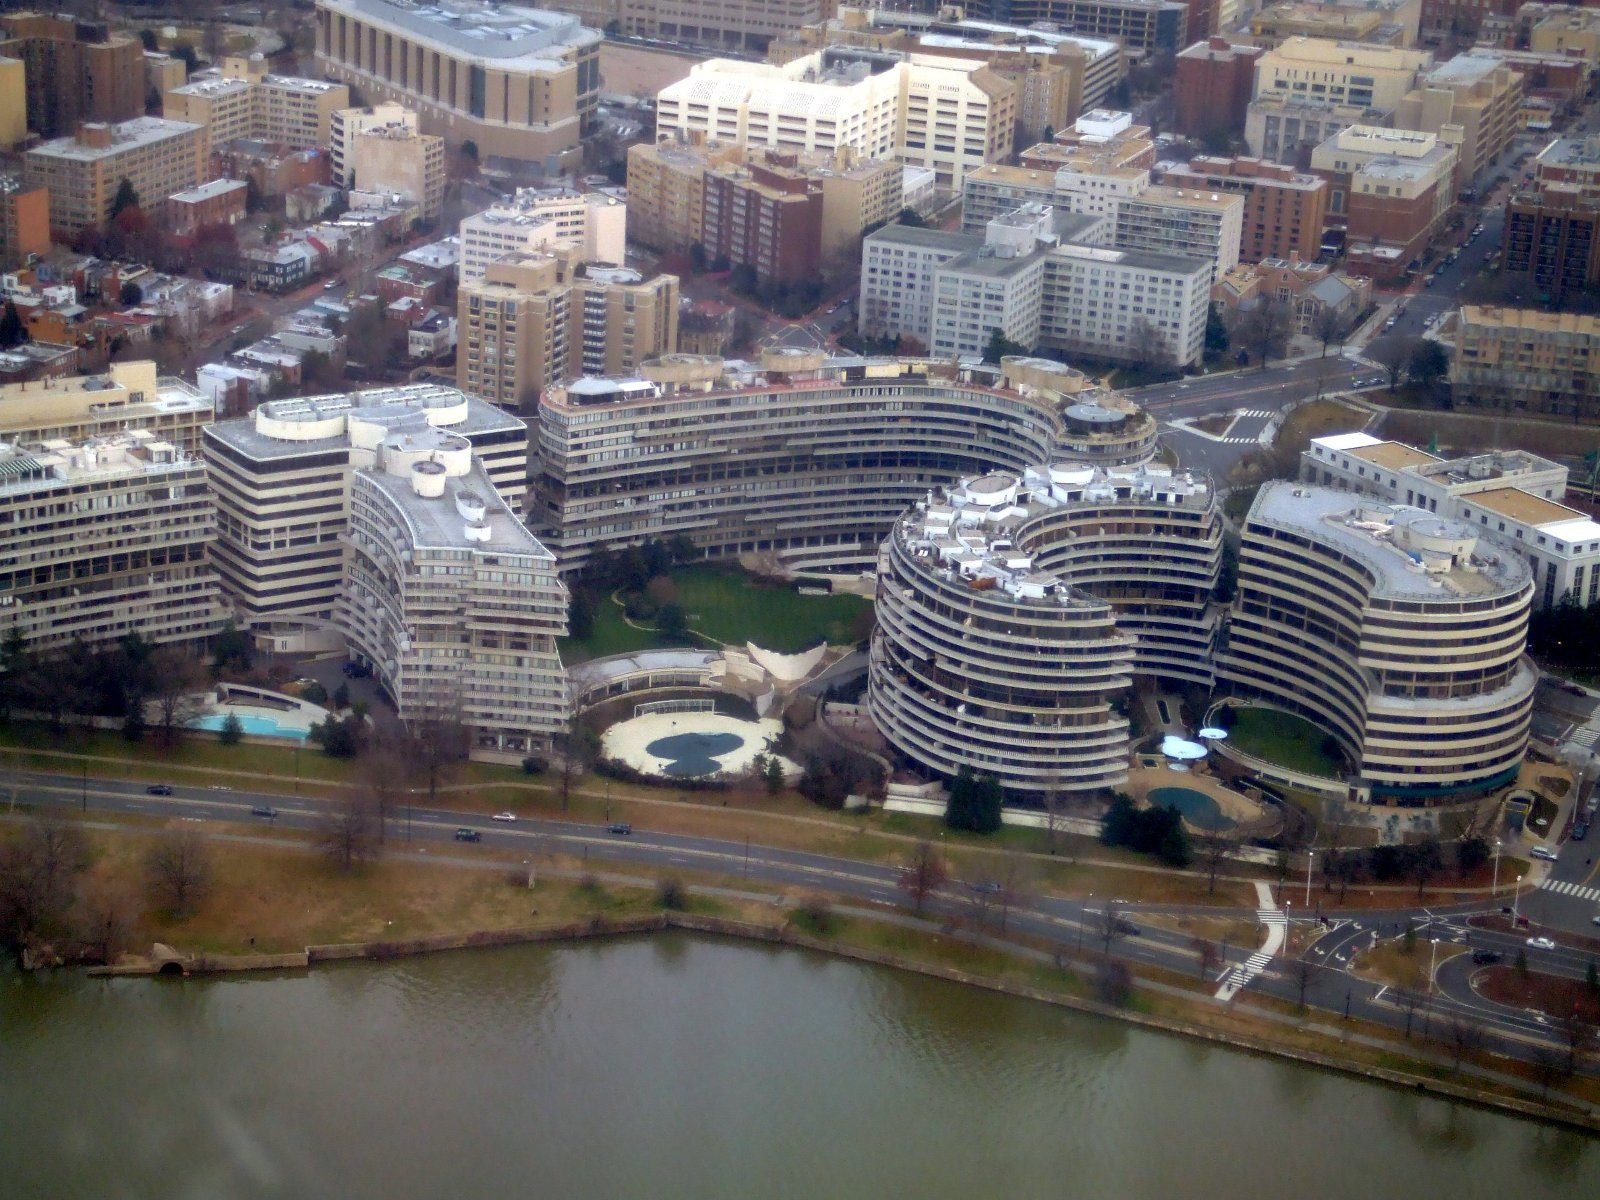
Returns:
(621,828)
(263,810)
(504,816)
(468,835)
(1544,852)
(1484,957)
(1541,943)
(159,789)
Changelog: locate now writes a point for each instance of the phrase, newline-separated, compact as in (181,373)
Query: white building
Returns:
(538,218)
(347,122)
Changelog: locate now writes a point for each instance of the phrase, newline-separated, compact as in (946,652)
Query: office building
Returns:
(1213,85)
(1284,209)
(1015,609)
(1285,129)
(13,103)
(1145,26)
(1310,89)
(1396,629)
(799,456)
(1551,240)
(1392,189)
(282,482)
(105,539)
(84,173)
(946,114)
(546,318)
(1569,30)
(1510,497)
(75,71)
(449,599)
(1375,22)
(732,26)
(1478,93)
(1574,162)
(542,219)
(518,83)
(1523,360)
(397,160)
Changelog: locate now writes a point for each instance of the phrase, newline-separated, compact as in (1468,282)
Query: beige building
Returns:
(519,83)
(1320,71)
(243,100)
(949,115)
(1477,93)
(666,190)
(1567,30)
(105,538)
(1377,22)
(547,318)
(1523,360)
(77,70)
(128,396)
(396,158)
(731,25)
(595,223)
(83,173)
(347,122)
(13,103)
(163,72)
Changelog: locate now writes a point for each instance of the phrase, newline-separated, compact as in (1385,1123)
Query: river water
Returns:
(673,1066)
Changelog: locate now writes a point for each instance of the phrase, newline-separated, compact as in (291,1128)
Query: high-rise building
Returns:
(546,318)
(1524,360)
(1284,209)
(241,99)
(1212,87)
(76,71)
(1145,26)
(24,221)
(596,223)
(1375,22)
(449,599)
(396,158)
(733,26)
(1478,93)
(1551,240)
(518,83)
(1309,89)
(104,539)
(345,123)
(84,173)
(13,103)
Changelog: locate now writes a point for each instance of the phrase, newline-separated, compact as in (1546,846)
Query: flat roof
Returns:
(505,35)
(436,521)
(1392,456)
(1137,259)
(936,239)
(1522,506)
(125,136)
(217,187)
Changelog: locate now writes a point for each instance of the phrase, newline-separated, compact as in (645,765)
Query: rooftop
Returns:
(125,136)
(206,191)
(468,514)
(1392,456)
(1136,259)
(1533,320)
(1526,507)
(46,464)
(504,35)
(1463,69)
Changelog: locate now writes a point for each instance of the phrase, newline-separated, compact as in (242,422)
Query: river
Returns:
(673,1066)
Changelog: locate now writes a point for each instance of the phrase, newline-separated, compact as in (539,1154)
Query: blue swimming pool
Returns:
(1199,809)
(691,755)
(252,724)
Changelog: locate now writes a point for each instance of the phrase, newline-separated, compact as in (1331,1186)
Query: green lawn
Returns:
(730,607)
(1282,738)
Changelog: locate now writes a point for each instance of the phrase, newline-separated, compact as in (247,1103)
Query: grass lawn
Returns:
(730,607)
(1284,739)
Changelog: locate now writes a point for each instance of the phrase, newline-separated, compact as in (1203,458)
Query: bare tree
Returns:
(1110,926)
(1464,1035)
(437,738)
(1301,972)
(1055,804)
(175,677)
(1148,350)
(385,770)
(923,875)
(1580,1037)
(1206,957)
(1113,982)
(1392,354)
(110,913)
(1409,1002)
(1013,883)
(1264,329)
(178,867)
(1213,851)
(349,832)
(39,871)
(1547,1063)
(1330,325)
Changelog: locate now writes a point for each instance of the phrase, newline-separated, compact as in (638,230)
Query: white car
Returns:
(1543,852)
(1541,943)
(504,816)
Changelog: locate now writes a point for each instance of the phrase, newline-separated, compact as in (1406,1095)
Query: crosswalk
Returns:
(1585,735)
(1255,412)
(1241,975)
(1562,887)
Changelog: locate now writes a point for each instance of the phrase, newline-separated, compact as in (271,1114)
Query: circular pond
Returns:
(1197,808)
(691,754)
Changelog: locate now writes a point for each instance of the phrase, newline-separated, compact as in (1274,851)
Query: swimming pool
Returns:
(251,723)
(1199,809)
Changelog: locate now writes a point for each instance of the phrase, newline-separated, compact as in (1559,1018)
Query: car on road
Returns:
(263,810)
(503,816)
(1127,928)
(1580,831)
(468,835)
(1541,943)
(620,828)
(158,789)
(1544,852)
(1390,323)
(1484,957)
(986,887)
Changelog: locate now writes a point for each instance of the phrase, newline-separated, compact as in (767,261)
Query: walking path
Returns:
(1276,923)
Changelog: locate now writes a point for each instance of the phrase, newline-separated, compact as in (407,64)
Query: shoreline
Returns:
(786,935)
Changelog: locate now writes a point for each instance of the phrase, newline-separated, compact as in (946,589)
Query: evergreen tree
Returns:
(11,329)
(125,198)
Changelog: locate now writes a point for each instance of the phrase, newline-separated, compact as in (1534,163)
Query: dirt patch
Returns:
(1392,963)
(1216,424)
(1551,994)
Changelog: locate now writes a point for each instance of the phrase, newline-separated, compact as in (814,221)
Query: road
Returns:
(1070,923)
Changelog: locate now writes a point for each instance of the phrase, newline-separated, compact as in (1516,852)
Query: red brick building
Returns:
(1212,87)
(1284,209)
(220,202)
(765,215)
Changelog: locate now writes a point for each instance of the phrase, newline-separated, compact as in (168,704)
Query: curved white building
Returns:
(1014,610)
(1394,629)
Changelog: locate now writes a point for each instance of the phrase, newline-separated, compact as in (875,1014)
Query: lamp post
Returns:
(1515,896)
(1083,918)
(1311,862)
(1494,889)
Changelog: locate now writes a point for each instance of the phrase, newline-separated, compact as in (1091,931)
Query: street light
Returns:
(1311,862)
(1083,918)
(1494,889)
(1515,896)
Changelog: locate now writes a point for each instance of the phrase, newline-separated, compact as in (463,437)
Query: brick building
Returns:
(75,71)
(24,221)
(220,202)
(1392,189)
(769,219)
(1214,83)
(1284,209)
(1552,241)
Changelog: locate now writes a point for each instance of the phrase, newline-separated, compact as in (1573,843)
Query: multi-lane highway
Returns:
(1070,923)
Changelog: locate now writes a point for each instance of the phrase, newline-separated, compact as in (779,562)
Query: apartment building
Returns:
(1551,240)
(1284,209)
(1392,189)
(1479,94)
(1511,497)
(83,173)
(1376,22)
(1524,360)
(399,160)
(1101,142)
(542,219)
(24,221)
(946,114)
(217,202)
(242,99)
(1213,84)
(1574,162)
(345,123)
(546,318)
(898,263)
(83,408)
(13,103)
(519,83)
(1060,74)
(449,599)
(1394,628)
(104,539)
(1569,30)
(1146,26)
(74,71)
(281,478)
(1064,582)
(797,455)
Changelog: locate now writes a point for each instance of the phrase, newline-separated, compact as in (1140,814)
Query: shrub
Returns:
(815,916)
(315,693)
(232,731)
(672,895)
(534,765)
